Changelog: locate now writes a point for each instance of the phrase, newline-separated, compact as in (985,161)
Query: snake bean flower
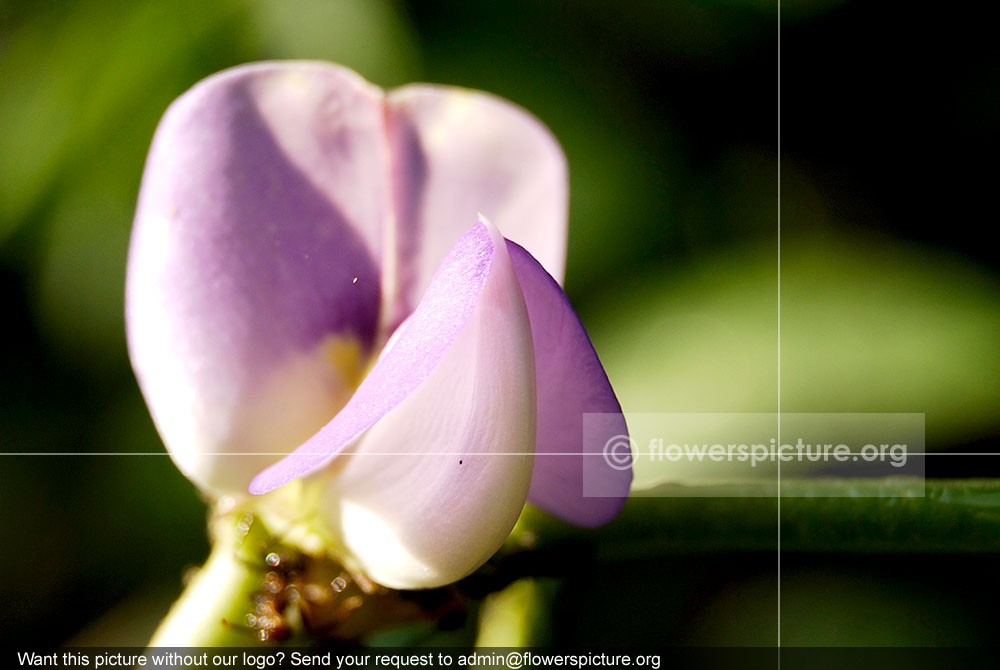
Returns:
(360,289)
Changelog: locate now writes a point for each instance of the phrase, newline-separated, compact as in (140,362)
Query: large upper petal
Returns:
(254,272)
(570,382)
(434,486)
(457,153)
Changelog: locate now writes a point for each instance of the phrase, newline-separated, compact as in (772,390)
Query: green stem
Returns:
(212,610)
(520,615)
(862,515)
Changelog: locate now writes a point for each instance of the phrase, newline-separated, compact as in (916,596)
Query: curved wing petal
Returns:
(570,382)
(431,490)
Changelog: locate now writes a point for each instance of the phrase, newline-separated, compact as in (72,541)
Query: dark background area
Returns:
(668,113)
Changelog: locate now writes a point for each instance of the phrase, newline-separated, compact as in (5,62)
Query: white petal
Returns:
(457,153)
(436,485)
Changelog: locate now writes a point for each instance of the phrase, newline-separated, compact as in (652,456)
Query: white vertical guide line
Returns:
(779,331)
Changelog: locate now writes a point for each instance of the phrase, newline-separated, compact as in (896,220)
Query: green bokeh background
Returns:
(668,112)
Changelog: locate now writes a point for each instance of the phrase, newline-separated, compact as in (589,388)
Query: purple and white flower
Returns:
(313,293)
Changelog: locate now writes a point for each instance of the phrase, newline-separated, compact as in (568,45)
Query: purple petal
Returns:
(433,488)
(407,360)
(458,153)
(570,381)
(253,285)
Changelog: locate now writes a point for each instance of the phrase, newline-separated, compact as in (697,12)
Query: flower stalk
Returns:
(212,611)
(258,588)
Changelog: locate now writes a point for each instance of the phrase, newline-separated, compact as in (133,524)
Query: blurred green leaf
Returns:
(865,327)
(372,37)
(824,606)
(67,75)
